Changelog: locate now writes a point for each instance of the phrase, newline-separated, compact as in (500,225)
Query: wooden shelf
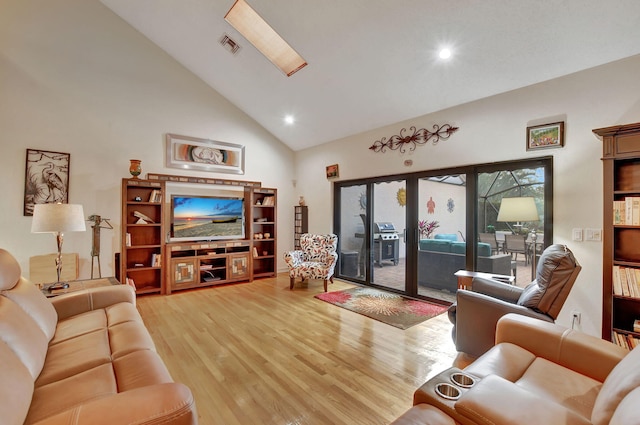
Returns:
(263,265)
(141,242)
(300,223)
(147,290)
(621,178)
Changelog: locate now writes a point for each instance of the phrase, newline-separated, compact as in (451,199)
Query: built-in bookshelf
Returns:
(621,233)
(142,235)
(262,230)
(300,224)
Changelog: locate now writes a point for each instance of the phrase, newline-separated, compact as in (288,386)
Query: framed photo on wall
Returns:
(191,153)
(545,136)
(333,171)
(46,178)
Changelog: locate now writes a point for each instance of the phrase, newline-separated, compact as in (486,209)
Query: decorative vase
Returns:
(135,169)
(302,202)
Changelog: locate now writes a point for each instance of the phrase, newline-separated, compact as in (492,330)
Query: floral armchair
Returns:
(316,259)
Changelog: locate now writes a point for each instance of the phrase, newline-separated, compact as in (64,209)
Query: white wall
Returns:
(75,78)
(450,222)
(493,129)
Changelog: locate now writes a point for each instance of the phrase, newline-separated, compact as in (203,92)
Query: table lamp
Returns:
(57,219)
(520,209)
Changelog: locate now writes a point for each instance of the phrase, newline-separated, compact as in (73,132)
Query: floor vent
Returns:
(229,44)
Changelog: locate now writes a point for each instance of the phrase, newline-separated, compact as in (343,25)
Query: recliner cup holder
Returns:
(462,380)
(448,391)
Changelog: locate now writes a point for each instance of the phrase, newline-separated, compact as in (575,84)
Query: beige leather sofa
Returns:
(81,358)
(538,373)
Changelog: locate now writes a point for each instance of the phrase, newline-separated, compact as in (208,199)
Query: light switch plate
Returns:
(594,234)
(577,235)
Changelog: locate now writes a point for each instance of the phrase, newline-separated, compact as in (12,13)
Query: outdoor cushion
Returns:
(484,249)
(438,245)
(447,236)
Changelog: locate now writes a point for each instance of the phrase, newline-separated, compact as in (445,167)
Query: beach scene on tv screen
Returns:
(202,218)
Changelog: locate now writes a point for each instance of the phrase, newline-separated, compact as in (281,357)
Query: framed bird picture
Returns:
(46,179)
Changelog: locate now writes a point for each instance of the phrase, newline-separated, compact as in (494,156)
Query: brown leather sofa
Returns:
(538,373)
(81,358)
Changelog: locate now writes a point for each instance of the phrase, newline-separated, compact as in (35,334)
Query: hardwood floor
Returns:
(258,353)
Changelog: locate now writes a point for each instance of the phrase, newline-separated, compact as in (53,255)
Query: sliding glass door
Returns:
(354,252)
(410,233)
(441,228)
(387,243)
(372,233)
(506,226)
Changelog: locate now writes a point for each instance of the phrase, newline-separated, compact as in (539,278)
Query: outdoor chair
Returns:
(489,238)
(514,245)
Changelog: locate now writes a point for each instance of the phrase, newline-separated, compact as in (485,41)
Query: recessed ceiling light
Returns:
(259,33)
(289,119)
(444,53)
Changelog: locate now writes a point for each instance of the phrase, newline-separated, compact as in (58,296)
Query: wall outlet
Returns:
(577,235)
(594,234)
(575,317)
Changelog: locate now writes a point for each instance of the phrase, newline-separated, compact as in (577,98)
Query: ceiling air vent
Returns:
(229,44)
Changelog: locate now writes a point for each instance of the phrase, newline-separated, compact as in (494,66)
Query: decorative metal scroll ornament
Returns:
(419,137)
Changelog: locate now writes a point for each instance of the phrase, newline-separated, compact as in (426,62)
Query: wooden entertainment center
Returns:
(156,265)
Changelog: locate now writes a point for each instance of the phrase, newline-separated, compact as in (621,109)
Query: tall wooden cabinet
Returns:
(143,235)
(262,230)
(301,223)
(621,242)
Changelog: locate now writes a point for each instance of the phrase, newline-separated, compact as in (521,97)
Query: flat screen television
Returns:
(199,218)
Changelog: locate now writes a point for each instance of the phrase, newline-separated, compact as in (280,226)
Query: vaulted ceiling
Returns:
(375,62)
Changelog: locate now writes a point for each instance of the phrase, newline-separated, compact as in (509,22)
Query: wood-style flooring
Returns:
(258,353)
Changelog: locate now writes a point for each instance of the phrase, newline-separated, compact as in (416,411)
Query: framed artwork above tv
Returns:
(192,153)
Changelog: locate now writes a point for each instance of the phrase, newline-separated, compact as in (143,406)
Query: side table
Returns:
(465,277)
(79,285)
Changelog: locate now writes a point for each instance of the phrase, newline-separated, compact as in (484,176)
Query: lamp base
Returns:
(57,286)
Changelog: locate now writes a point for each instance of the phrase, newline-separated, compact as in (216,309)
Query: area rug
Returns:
(386,307)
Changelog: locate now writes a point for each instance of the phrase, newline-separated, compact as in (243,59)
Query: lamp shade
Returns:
(57,218)
(518,209)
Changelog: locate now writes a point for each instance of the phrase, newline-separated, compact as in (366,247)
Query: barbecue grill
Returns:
(385,243)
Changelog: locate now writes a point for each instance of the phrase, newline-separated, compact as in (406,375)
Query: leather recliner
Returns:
(538,373)
(476,311)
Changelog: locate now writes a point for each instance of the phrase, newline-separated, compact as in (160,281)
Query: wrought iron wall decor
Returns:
(419,137)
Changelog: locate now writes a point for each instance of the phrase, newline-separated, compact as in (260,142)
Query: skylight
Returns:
(259,33)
